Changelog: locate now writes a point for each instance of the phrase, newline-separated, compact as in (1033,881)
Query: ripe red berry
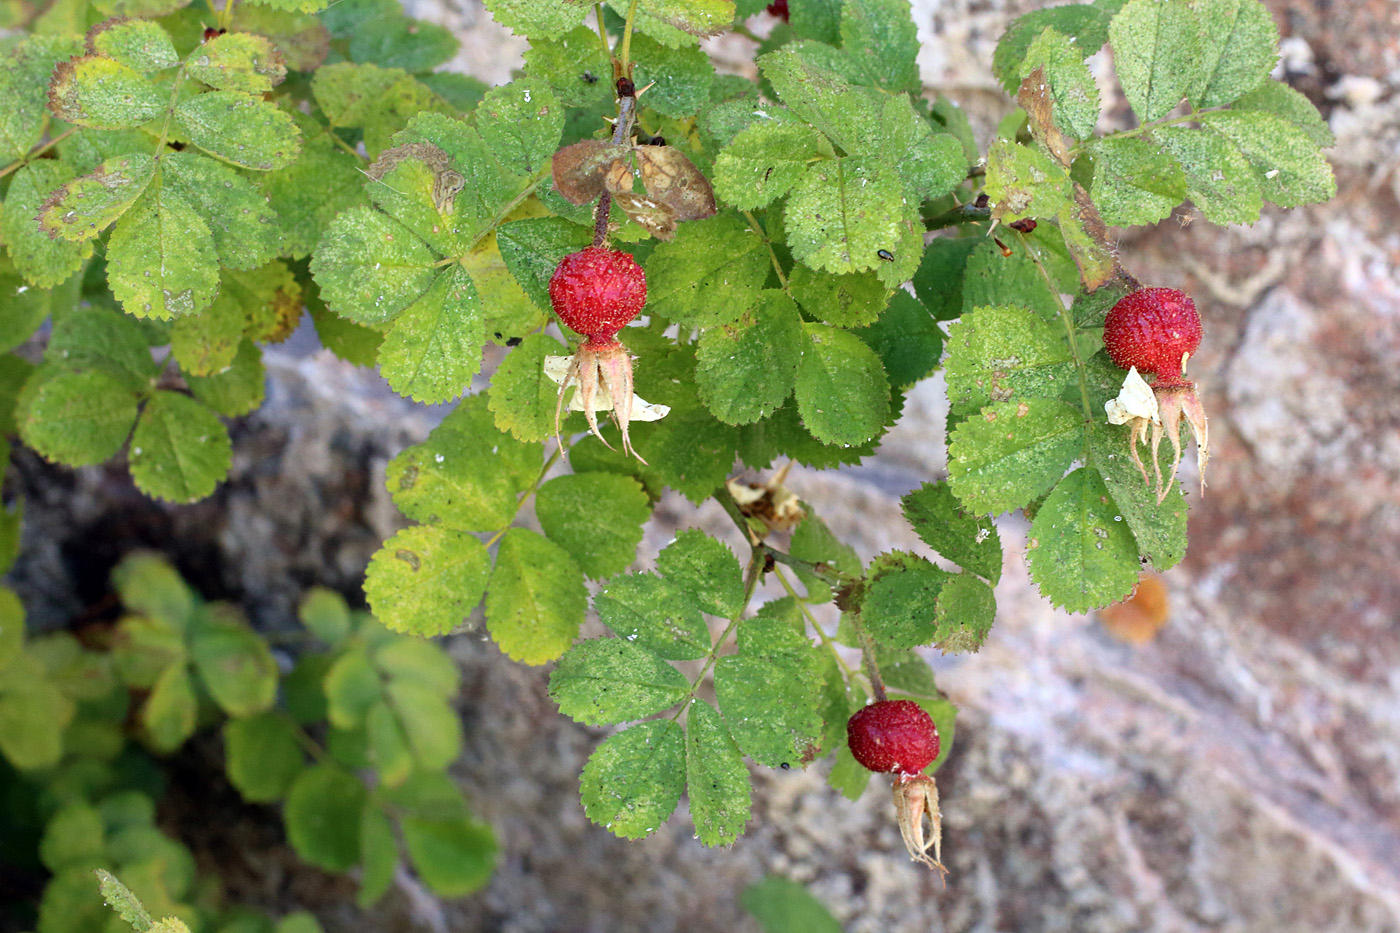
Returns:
(598,291)
(1153,329)
(893,735)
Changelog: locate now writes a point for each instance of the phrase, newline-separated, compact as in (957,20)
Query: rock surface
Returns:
(1241,772)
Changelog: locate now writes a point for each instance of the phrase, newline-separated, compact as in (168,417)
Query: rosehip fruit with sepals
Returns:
(893,735)
(1154,329)
(598,291)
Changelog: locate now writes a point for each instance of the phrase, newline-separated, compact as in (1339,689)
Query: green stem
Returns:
(752,575)
(602,32)
(226,15)
(170,110)
(534,487)
(962,214)
(626,66)
(335,138)
(827,641)
(38,151)
(1148,127)
(1068,321)
(763,235)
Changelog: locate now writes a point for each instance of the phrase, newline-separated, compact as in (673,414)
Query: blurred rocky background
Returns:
(1238,772)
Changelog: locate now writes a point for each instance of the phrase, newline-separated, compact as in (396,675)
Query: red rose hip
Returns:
(893,735)
(1154,329)
(598,291)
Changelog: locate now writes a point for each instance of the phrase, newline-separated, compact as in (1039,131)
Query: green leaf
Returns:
(840,300)
(1074,93)
(705,570)
(300,922)
(1219,180)
(879,37)
(180,451)
(1290,168)
(103,94)
(521,123)
(395,41)
(168,715)
(161,260)
(1157,51)
(1086,24)
(323,817)
(783,906)
(536,600)
(355,343)
(566,64)
(996,280)
(844,212)
(806,80)
(1135,182)
(633,781)
(532,249)
(655,615)
(906,338)
(379,100)
(1003,354)
(841,388)
(1240,51)
(379,851)
(454,479)
(246,231)
(86,206)
(970,541)
(308,194)
(434,347)
(522,398)
(1278,98)
(604,681)
(234,663)
(1024,182)
(1009,453)
(901,600)
(237,61)
(431,725)
(454,855)
(263,756)
(148,585)
(717,782)
(33,714)
(371,267)
(118,897)
(420,662)
(242,129)
(596,517)
(427,579)
(546,19)
(712,267)
(137,43)
(42,260)
(25,68)
(237,390)
(938,283)
(746,370)
(76,418)
(769,697)
(1158,528)
(763,162)
(966,610)
(352,689)
(679,78)
(1080,554)
(11,627)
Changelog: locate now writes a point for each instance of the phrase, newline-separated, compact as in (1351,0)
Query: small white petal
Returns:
(1135,400)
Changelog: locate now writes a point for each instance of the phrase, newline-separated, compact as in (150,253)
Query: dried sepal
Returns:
(601,374)
(920,820)
(772,503)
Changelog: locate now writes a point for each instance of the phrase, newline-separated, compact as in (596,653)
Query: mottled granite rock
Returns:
(1239,773)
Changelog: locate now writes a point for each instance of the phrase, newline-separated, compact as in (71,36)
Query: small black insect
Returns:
(515,341)
(656,141)
(590,78)
(885,254)
(785,766)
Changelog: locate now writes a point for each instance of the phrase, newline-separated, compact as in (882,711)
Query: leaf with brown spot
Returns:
(1039,104)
